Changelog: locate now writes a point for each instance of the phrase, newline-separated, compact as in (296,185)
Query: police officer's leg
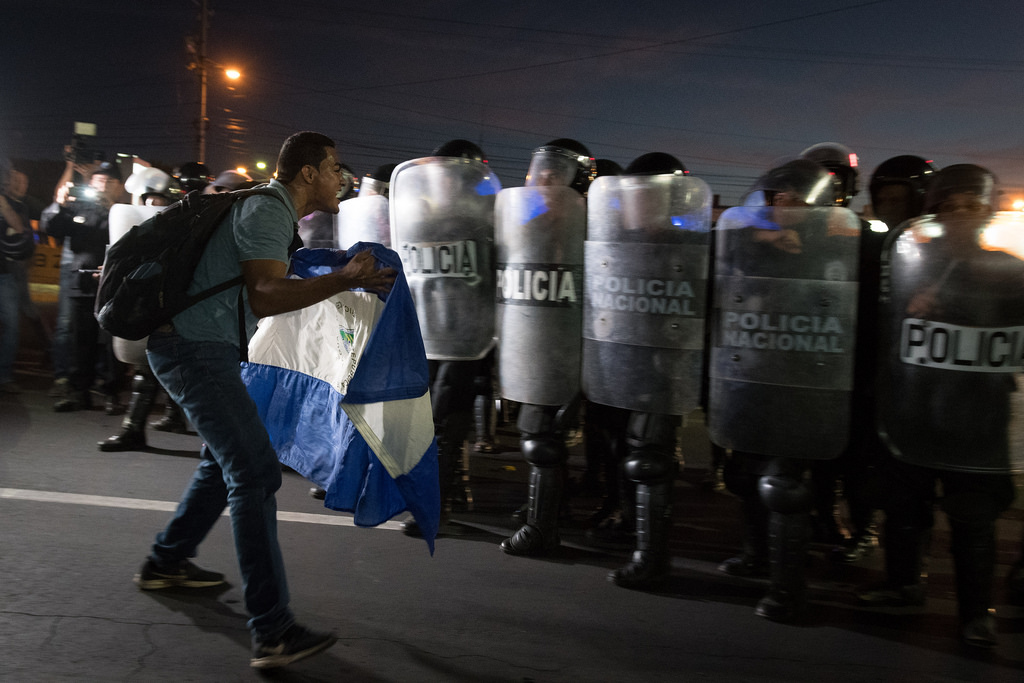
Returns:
(789,497)
(651,467)
(741,473)
(451,396)
(173,419)
(133,427)
(605,449)
(908,498)
(1015,580)
(543,446)
(973,502)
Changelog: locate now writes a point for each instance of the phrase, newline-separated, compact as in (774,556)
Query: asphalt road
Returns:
(76,524)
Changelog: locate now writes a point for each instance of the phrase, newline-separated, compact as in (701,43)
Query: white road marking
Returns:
(166,506)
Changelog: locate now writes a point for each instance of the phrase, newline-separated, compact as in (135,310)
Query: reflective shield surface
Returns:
(442,226)
(953,343)
(539,246)
(363,219)
(783,330)
(645,284)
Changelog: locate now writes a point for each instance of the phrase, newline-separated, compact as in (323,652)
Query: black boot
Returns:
(650,565)
(1015,583)
(75,400)
(787,541)
(173,419)
(974,561)
(904,586)
(127,440)
(539,536)
(753,561)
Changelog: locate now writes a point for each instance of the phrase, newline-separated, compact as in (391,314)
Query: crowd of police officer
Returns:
(828,354)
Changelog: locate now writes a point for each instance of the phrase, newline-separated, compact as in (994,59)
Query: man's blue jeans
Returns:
(238,468)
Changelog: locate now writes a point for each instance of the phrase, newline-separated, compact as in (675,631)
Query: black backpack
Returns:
(146,273)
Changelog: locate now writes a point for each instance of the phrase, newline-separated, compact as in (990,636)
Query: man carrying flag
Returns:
(342,387)
(196,360)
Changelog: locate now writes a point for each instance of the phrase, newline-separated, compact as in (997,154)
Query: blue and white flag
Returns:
(342,387)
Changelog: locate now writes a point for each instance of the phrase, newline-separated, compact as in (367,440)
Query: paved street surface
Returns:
(77,523)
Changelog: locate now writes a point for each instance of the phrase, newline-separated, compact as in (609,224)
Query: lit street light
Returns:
(202,64)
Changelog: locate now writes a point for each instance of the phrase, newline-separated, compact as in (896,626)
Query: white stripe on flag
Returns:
(407,436)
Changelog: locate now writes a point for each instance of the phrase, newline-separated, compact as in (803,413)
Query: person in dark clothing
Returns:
(80,216)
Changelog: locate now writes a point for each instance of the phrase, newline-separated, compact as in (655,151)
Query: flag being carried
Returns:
(342,387)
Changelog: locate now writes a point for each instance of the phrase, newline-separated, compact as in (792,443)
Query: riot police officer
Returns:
(646,274)
(442,226)
(781,364)
(193,176)
(898,188)
(853,469)
(947,407)
(377,181)
(539,253)
(366,216)
(155,188)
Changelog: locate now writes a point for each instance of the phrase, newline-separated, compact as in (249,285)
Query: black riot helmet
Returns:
(656,163)
(907,171)
(608,167)
(461,148)
(800,179)
(842,163)
(961,179)
(193,176)
(377,181)
(562,162)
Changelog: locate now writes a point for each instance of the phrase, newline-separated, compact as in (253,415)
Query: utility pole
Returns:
(197,48)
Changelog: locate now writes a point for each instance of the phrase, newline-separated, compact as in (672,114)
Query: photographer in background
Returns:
(80,216)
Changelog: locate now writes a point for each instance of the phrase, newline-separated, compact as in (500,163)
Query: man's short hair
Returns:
(301,149)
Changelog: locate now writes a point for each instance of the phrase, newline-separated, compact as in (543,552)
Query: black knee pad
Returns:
(544,451)
(649,466)
(785,495)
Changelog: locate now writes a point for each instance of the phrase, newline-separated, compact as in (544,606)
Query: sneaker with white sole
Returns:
(181,575)
(296,643)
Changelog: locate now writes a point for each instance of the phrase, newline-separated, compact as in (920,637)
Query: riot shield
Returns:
(123,217)
(952,327)
(645,292)
(317,230)
(539,235)
(783,329)
(442,226)
(362,219)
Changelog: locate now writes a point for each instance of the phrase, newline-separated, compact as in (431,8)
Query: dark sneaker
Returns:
(182,575)
(296,643)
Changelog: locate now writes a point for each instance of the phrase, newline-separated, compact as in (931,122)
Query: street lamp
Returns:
(202,64)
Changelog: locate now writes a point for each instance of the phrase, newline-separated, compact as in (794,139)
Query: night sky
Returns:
(728,87)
